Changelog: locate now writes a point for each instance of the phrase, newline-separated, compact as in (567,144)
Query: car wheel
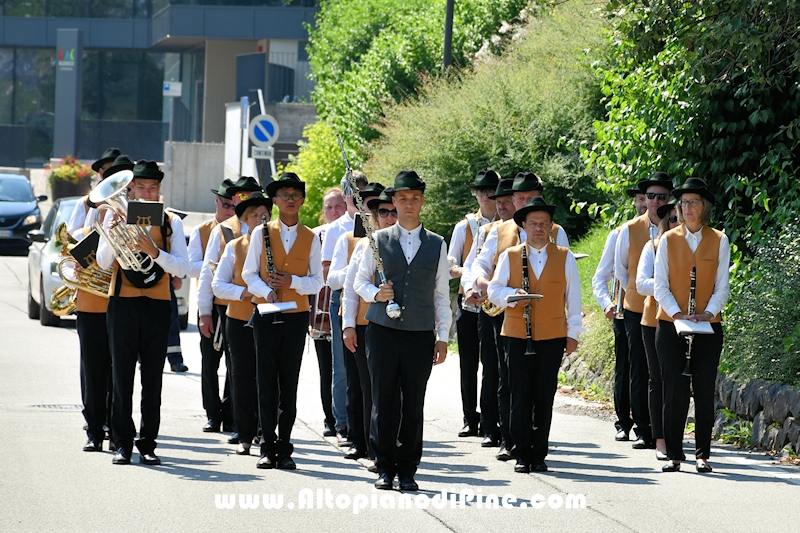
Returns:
(45,316)
(33,307)
(183,321)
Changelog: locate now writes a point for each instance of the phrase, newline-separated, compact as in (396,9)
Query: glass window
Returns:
(6,81)
(15,190)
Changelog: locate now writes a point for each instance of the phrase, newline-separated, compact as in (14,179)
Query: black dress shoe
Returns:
(342,438)
(180,367)
(354,453)
(242,450)
(522,467)
(233,439)
(285,462)
(642,444)
(489,442)
(150,459)
(407,484)
(92,446)
(328,430)
(385,482)
(703,467)
(538,466)
(122,457)
(212,426)
(671,467)
(266,461)
(372,467)
(621,436)
(468,431)
(504,454)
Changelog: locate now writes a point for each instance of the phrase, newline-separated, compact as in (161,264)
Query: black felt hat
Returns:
(122,162)
(245,184)
(527,181)
(633,192)
(485,179)
(696,186)
(224,190)
(537,203)
(256,199)
(384,198)
(147,170)
(371,190)
(664,210)
(287,179)
(504,188)
(660,179)
(108,156)
(408,180)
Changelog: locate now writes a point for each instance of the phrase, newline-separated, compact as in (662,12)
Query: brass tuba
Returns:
(112,193)
(92,279)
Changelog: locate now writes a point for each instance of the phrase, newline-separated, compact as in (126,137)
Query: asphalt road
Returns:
(48,484)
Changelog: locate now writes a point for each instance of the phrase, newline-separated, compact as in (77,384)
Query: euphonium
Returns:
(112,193)
(92,279)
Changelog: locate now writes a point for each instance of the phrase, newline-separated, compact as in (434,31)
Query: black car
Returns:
(19,210)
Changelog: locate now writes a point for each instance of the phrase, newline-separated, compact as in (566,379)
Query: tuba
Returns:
(112,193)
(92,279)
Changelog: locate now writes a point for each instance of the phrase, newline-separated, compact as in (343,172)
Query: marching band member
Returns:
(692,246)
(229,285)
(288,270)
(465,232)
(630,242)
(404,349)
(535,343)
(80,213)
(139,318)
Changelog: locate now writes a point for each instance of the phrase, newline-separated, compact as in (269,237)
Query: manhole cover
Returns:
(58,406)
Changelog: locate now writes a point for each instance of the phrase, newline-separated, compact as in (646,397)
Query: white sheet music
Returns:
(687,327)
(267,309)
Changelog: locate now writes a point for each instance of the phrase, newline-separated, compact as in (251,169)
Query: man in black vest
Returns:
(403,347)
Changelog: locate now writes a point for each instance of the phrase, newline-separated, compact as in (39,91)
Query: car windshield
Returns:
(15,190)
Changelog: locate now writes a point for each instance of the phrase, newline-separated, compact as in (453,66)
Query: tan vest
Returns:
(160,291)
(205,232)
(508,236)
(681,260)
(295,263)
(650,306)
(236,226)
(363,305)
(91,303)
(548,314)
(236,309)
(637,237)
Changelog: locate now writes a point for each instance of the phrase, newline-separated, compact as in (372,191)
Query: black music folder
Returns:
(358,229)
(85,252)
(145,213)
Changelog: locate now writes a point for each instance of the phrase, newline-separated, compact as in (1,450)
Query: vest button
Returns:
(404,307)
(401,320)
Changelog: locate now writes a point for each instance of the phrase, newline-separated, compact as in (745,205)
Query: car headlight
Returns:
(30,220)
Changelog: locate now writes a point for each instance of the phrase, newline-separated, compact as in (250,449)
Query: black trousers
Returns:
(217,409)
(138,330)
(706,350)
(279,352)
(494,411)
(406,358)
(325,361)
(174,352)
(639,375)
(534,379)
(622,378)
(242,374)
(468,357)
(359,392)
(96,372)
(655,388)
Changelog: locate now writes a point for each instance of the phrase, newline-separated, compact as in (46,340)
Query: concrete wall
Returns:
(292,118)
(196,168)
(219,84)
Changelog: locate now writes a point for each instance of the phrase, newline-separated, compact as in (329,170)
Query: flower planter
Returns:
(62,188)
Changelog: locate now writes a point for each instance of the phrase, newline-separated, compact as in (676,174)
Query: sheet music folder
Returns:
(687,327)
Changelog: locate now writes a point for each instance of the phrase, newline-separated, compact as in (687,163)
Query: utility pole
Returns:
(448,35)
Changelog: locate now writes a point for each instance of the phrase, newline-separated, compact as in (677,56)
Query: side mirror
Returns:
(41,198)
(37,235)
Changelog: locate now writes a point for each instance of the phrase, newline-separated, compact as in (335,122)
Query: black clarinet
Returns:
(687,370)
(527,312)
(276,317)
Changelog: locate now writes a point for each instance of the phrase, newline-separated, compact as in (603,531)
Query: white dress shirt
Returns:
(77,221)
(221,283)
(338,269)
(205,294)
(484,263)
(410,243)
(605,272)
(645,283)
(304,285)
(341,225)
(722,287)
(196,251)
(176,262)
(498,288)
(350,299)
(623,246)
(466,273)
(459,238)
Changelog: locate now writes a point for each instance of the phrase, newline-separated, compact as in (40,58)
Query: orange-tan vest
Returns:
(363,305)
(681,260)
(205,232)
(548,314)
(237,309)
(160,291)
(650,305)
(638,235)
(91,303)
(235,226)
(295,263)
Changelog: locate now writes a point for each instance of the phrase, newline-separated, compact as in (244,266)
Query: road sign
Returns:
(264,131)
(172,88)
(262,153)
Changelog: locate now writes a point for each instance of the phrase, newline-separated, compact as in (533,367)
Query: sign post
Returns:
(264,132)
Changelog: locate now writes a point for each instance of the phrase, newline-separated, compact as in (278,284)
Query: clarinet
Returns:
(687,371)
(527,312)
(276,317)
(393,310)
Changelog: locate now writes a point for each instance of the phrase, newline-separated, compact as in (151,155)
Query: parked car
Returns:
(19,210)
(43,258)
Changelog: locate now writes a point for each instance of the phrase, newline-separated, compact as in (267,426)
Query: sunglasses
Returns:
(673,220)
(383,213)
(224,204)
(653,195)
